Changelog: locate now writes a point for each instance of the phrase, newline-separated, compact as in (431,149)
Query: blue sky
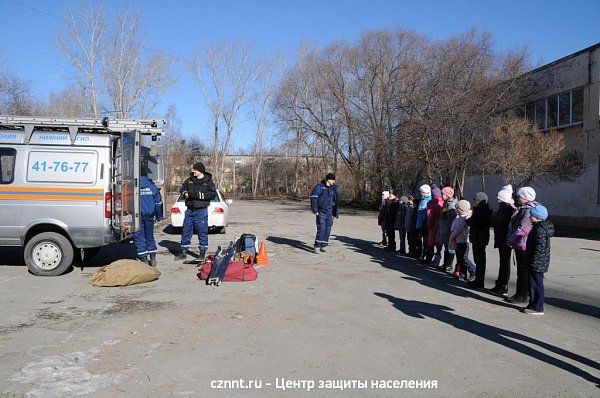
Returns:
(550,29)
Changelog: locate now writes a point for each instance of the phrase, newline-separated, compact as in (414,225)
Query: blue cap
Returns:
(540,212)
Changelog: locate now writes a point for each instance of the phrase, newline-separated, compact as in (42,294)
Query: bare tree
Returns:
(175,151)
(522,153)
(225,73)
(82,43)
(134,79)
(67,103)
(111,62)
(15,95)
(261,115)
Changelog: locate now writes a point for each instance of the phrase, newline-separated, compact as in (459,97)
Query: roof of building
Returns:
(585,50)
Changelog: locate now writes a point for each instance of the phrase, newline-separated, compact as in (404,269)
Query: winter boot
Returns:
(384,239)
(518,299)
(316,250)
(152,260)
(500,290)
(143,259)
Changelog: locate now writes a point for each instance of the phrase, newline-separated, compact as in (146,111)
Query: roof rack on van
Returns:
(102,126)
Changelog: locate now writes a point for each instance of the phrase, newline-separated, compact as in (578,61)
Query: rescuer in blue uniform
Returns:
(198,191)
(151,209)
(323,203)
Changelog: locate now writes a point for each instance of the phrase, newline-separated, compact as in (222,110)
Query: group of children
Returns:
(436,228)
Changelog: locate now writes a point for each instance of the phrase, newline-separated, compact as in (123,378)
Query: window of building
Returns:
(564,108)
(552,114)
(7,165)
(556,111)
(530,112)
(540,113)
(577,105)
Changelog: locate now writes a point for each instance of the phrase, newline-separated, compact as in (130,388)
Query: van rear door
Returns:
(126,184)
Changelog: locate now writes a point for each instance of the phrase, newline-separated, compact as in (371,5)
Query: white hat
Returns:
(425,189)
(526,193)
(506,196)
(463,206)
(508,188)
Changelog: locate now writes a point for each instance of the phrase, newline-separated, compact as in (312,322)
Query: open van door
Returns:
(126,184)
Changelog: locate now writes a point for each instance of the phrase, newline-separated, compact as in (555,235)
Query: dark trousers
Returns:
(412,242)
(402,237)
(418,244)
(536,290)
(391,237)
(522,274)
(480,263)
(144,238)
(324,224)
(195,222)
(432,251)
(462,259)
(504,271)
(423,240)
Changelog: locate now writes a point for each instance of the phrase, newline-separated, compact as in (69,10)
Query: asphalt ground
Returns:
(355,317)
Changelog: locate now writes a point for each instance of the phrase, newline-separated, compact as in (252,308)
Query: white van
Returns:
(68,187)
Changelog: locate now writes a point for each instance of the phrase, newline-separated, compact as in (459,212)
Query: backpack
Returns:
(245,244)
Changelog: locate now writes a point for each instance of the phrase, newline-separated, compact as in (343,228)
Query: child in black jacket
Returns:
(538,258)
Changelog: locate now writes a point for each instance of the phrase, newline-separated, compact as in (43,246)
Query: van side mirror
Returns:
(228,201)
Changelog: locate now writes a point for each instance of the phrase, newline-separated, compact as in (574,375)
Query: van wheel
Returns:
(48,254)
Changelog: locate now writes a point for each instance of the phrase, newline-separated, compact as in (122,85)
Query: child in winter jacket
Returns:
(385,195)
(538,258)
(479,235)
(459,240)
(446,217)
(434,211)
(519,228)
(421,225)
(506,208)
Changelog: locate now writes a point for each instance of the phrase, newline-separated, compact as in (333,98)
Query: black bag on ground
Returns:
(246,244)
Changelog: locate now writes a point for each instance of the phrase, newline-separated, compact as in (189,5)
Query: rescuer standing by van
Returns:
(151,208)
(198,190)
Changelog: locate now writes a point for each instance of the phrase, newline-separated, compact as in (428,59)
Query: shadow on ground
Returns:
(425,276)
(290,242)
(584,309)
(577,233)
(13,256)
(441,281)
(503,337)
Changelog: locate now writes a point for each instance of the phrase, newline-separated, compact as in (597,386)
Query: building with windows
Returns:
(567,98)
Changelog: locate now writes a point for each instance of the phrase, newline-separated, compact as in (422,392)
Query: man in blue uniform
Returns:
(198,191)
(151,208)
(323,203)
